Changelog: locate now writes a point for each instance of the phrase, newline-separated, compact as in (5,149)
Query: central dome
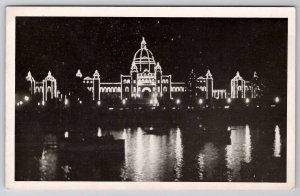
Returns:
(143,58)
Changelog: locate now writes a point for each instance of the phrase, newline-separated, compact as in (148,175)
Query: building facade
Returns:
(47,88)
(145,82)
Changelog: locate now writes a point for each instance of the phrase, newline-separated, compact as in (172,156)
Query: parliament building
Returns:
(146,82)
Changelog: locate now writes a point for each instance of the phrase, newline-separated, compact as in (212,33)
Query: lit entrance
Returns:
(146,93)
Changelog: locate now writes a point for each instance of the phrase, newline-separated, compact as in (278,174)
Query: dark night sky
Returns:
(226,45)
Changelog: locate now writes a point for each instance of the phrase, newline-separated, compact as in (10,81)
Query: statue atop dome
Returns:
(143,43)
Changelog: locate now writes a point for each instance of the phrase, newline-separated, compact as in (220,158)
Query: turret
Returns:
(30,79)
(79,74)
(96,86)
(133,73)
(158,74)
(209,85)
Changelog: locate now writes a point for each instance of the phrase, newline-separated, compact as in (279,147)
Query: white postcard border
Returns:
(218,12)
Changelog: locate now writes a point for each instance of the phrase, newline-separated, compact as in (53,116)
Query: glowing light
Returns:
(39,103)
(229,100)
(80,102)
(26,98)
(21,102)
(66,101)
(247,100)
(151,102)
(98,103)
(200,101)
(123,101)
(66,134)
(277,143)
(18,104)
(177,101)
(248,144)
(43,103)
(178,154)
(99,133)
(277,99)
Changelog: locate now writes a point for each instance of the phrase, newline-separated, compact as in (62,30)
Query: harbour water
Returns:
(249,152)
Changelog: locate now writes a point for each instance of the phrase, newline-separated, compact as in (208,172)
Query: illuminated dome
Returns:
(143,58)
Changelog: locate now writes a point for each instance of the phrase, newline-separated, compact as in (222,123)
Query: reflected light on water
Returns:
(48,164)
(178,155)
(99,133)
(247,144)
(139,162)
(208,161)
(124,135)
(239,150)
(277,142)
(201,166)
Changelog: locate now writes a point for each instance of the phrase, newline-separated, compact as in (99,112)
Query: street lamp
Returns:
(277,100)
(26,98)
(98,103)
(247,100)
(123,101)
(66,101)
(21,102)
(177,101)
(229,100)
(200,101)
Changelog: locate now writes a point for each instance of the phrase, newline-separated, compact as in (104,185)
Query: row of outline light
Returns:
(247,101)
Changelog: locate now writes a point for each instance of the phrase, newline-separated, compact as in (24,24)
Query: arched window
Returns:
(126,89)
(165,89)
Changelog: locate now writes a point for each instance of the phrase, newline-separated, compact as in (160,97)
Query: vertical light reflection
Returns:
(178,155)
(201,166)
(208,160)
(124,135)
(48,165)
(139,161)
(277,142)
(125,168)
(248,145)
(99,133)
(239,150)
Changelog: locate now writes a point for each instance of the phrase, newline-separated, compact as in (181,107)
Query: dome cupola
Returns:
(143,58)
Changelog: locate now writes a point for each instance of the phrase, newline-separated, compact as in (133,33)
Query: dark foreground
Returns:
(174,145)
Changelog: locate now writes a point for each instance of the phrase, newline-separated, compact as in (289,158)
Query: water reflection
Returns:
(48,164)
(208,161)
(277,142)
(178,154)
(239,150)
(175,154)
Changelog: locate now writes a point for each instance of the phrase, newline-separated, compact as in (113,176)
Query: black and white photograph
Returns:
(151,97)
